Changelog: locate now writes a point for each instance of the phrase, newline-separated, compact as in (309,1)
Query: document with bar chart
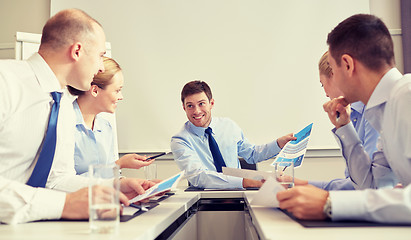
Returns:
(294,151)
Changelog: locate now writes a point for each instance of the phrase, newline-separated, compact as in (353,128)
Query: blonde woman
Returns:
(94,134)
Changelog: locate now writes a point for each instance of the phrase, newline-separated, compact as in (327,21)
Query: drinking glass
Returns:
(104,205)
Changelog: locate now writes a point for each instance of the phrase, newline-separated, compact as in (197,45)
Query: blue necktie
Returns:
(215,151)
(42,169)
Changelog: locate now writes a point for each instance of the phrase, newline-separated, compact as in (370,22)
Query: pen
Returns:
(156,156)
(286,166)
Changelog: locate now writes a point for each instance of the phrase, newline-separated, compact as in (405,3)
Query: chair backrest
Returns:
(246,165)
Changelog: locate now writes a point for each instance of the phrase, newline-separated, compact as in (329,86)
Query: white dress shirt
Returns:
(25,103)
(389,112)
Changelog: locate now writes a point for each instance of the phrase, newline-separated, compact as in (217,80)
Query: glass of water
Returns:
(150,171)
(104,205)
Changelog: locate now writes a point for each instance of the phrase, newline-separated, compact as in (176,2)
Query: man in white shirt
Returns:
(362,59)
(71,53)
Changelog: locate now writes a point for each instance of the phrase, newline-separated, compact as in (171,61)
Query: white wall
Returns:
(260,59)
(390,12)
(20,16)
(30,16)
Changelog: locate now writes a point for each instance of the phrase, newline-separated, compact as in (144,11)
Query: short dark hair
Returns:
(364,37)
(194,87)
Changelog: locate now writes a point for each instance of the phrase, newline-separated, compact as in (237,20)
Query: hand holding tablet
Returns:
(160,187)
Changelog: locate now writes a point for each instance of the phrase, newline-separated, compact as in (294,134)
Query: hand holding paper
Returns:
(294,151)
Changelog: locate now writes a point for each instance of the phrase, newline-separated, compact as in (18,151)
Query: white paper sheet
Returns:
(247,173)
(267,195)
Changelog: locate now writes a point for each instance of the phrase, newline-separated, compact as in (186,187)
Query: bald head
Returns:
(67,27)
(73,45)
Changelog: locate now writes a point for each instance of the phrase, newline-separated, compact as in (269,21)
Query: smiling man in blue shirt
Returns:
(191,147)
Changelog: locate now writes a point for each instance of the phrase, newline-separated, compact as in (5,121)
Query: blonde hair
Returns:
(111,68)
(324,67)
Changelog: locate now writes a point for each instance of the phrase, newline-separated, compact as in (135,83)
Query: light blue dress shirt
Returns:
(389,112)
(92,146)
(368,136)
(192,153)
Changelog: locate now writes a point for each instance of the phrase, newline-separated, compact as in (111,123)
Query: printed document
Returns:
(294,151)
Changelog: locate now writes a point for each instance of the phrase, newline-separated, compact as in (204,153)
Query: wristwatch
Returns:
(327,208)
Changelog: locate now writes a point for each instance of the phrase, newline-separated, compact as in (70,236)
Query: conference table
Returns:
(205,215)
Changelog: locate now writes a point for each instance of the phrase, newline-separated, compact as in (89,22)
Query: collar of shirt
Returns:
(357,110)
(80,119)
(200,131)
(45,76)
(79,116)
(374,109)
(358,107)
(382,91)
